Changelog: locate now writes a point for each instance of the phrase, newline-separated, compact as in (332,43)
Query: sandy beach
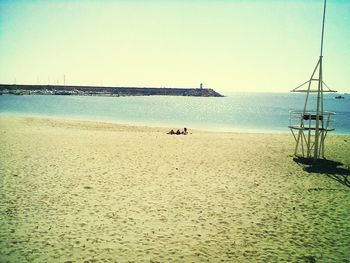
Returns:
(74,191)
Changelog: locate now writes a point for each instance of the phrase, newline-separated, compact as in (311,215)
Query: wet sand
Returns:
(75,191)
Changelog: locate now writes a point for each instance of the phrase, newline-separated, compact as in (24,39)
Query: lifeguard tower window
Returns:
(312,117)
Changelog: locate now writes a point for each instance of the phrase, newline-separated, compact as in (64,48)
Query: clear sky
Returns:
(228,45)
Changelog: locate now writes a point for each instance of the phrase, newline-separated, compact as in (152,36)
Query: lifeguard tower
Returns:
(311,125)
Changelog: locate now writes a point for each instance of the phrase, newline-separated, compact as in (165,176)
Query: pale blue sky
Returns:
(228,45)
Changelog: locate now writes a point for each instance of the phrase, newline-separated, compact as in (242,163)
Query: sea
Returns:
(237,112)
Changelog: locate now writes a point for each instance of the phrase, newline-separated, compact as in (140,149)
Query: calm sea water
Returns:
(254,112)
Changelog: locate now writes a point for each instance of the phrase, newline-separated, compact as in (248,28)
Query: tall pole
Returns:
(319,91)
(324,17)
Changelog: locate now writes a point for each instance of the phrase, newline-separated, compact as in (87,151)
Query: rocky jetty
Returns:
(104,91)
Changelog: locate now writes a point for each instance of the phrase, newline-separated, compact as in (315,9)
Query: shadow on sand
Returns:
(334,170)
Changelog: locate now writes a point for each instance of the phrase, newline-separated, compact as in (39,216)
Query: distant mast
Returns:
(312,126)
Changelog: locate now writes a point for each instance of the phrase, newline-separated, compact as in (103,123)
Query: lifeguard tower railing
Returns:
(303,125)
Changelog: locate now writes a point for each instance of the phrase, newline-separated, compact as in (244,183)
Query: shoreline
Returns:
(159,125)
(227,115)
(85,191)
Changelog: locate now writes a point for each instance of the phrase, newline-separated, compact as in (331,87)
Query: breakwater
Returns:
(104,91)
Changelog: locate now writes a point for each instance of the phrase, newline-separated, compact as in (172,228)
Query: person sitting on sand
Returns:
(178,132)
(171,132)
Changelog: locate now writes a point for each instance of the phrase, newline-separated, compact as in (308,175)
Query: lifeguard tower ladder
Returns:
(310,127)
